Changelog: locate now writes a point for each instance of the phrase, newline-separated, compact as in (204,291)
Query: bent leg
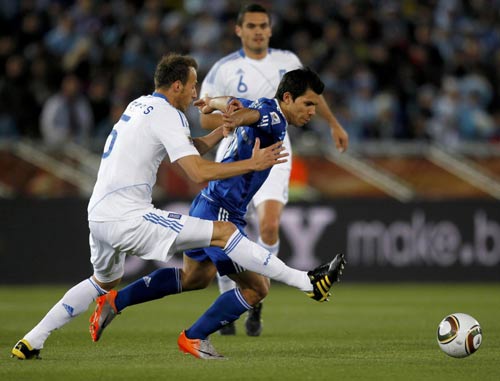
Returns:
(253,257)
(229,306)
(74,302)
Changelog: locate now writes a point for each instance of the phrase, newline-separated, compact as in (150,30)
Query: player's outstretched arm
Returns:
(339,135)
(200,170)
(242,117)
(205,143)
(207,105)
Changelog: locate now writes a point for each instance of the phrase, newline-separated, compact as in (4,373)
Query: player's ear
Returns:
(287,98)
(177,85)
(237,30)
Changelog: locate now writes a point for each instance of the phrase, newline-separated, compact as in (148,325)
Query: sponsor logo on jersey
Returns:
(177,216)
(275,118)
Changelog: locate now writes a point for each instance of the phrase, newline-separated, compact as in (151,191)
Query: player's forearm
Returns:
(325,112)
(218,171)
(210,121)
(206,143)
(219,103)
(245,117)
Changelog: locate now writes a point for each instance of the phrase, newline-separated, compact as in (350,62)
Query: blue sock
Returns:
(156,285)
(227,308)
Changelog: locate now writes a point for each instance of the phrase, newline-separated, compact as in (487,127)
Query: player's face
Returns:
(255,33)
(188,92)
(303,108)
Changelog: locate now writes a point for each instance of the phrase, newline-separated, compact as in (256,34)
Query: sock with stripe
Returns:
(255,258)
(73,303)
(274,248)
(156,285)
(227,308)
(225,283)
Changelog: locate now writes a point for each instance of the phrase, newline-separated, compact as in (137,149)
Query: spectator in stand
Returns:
(18,109)
(405,47)
(67,115)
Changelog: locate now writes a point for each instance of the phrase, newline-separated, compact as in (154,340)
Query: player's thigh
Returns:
(108,263)
(157,235)
(196,233)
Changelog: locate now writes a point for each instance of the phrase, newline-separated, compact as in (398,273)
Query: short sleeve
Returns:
(172,128)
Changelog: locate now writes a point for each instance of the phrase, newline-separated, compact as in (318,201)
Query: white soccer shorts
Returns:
(157,235)
(276,185)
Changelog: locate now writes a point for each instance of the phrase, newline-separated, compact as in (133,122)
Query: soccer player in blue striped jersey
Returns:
(264,120)
(252,72)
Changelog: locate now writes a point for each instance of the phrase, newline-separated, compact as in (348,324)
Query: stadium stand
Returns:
(416,85)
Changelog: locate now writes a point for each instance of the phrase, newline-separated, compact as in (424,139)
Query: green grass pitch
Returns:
(366,332)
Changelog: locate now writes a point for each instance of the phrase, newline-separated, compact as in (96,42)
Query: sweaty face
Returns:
(303,108)
(188,92)
(255,33)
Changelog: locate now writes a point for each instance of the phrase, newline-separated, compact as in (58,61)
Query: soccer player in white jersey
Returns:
(253,72)
(122,218)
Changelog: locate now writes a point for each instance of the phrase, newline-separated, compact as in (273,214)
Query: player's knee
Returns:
(223,230)
(107,286)
(261,291)
(255,294)
(191,282)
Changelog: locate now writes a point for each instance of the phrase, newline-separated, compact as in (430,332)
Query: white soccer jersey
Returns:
(242,77)
(148,130)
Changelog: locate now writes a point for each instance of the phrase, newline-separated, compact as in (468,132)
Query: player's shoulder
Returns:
(231,57)
(279,53)
(225,61)
(219,67)
(263,102)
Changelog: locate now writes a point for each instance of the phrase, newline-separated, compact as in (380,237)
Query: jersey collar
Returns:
(242,53)
(160,95)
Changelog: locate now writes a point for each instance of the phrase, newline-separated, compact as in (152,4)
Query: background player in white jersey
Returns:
(253,72)
(122,218)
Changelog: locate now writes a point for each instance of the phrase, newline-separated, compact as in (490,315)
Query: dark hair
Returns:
(173,67)
(253,8)
(296,82)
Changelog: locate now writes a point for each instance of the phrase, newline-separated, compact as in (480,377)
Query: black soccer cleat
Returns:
(323,277)
(23,351)
(228,329)
(253,322)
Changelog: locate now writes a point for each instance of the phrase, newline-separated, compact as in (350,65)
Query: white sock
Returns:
(225,283)
(257,259)
(73,303)
(274,248)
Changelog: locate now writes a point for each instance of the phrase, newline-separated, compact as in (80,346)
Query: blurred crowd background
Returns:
(426,70)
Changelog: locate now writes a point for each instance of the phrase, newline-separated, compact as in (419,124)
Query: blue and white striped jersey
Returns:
(235,193)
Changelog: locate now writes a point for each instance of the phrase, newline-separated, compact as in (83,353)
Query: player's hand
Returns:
(269,156)
(231,120)
(203,105)
(340,137)
(226,131)
(233,105)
